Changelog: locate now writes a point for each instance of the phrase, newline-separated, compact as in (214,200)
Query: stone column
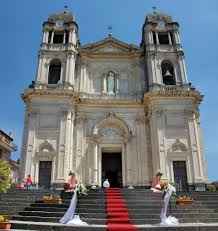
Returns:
(72,141)
(64,40)
(143,173)
(157,39)
(157,139)
(160,130)
(70,68)
(182,68)
(198,170)
(169,37)
(64,141)
(177,37)
(152,65)
(95,170)
(150,37)
(104,84)
(80,146)
(131,162)
(39,71)
(42,75)
(83,77)
(24,145)
(30,144)
(44,39)
(52,37)
(73,37)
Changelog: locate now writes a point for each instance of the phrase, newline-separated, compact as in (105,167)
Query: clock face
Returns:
(59,23)
(161,24)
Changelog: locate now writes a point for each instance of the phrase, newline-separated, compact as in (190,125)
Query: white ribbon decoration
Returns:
(163,215)
(69,217)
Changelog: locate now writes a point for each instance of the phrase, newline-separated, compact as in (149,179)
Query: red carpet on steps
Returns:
(117,212)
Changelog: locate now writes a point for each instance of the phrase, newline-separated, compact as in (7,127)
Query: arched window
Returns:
(58,37)
(168,74)
(111,82)
(54,74)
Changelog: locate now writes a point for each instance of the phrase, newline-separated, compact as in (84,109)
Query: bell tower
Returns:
(165,62)
(58,52)
(171,104)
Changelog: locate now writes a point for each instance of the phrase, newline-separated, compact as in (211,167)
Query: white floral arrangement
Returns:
(81,189)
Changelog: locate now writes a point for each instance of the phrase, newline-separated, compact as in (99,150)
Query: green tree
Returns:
(5,172)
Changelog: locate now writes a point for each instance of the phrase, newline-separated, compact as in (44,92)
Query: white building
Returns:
(113,110)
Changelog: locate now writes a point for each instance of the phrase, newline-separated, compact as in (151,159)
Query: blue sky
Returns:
(20,38)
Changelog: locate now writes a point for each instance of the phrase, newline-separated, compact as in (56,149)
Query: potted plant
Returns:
(4,223)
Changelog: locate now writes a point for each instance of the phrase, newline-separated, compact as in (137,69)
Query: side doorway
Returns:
(45,168)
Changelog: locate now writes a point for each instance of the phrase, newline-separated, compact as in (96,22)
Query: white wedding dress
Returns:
(164,219)
(69,217)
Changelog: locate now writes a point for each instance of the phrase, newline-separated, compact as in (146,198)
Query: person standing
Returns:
(72,181)
(156,182)
(28,182)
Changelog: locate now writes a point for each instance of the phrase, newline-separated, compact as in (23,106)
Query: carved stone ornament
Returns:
(178,146)
(110,132)
(112,124)
(46,147)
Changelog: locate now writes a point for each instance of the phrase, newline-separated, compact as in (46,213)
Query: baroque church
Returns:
(112,110)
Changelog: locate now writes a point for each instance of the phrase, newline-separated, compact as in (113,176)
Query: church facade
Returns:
(112,110)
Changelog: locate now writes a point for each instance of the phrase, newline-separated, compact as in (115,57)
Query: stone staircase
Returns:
(29,213)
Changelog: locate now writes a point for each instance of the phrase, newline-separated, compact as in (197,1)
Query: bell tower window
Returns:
(168,74)
(54,74)
(163,38)
(58,38)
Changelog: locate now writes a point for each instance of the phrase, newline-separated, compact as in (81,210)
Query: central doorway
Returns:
(112,168)
(180,175)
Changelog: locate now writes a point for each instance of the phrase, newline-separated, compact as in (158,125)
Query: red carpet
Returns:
(117,212)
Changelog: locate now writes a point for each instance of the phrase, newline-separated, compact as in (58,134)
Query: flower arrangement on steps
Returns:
(183,200)
(4,223)
(51,199)
(82,190)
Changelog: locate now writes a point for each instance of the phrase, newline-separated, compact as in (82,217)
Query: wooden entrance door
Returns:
(180,175)
(112,168)
(45,168)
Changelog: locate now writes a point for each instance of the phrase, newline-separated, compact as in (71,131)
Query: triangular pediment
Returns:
(109,45)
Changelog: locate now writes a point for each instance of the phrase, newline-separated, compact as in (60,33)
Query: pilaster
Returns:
(195,147)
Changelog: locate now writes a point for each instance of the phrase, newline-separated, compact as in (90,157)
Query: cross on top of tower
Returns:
(109,30)
(154,9)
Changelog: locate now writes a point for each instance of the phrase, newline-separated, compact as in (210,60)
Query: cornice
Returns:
(111,55)
(110,102)
(47,93)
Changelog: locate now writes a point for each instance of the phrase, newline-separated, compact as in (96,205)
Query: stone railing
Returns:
(118,96)
(57,47)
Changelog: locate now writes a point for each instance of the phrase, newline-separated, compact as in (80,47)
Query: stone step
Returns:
(134,210)
(135,215)
(48,209)
(59,227)
(103,221)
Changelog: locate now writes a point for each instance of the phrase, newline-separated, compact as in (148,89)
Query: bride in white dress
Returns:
(157,186)
(70,218)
